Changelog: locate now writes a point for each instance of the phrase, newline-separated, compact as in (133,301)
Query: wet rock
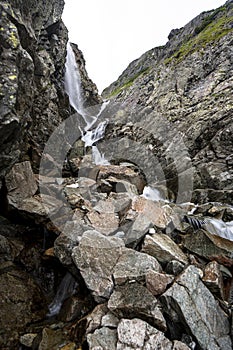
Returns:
(103,338)
(76,307)
(96,257)
(157,282)
(213,279)
(137,334)
(22,302)
(210,247)
(191,304)
(20,183)
(135,301)
(163,248)
(52,339)
(134,266)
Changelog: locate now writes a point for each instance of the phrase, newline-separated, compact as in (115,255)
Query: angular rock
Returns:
(109,320)
(134,266)
(105,223)
(67,240)
(174,267)
(137,334)
(191,304)
(96,257)
(20,183)
(157,282)
(102,339)
(28,339)
(94,319)
(157,215)
(122,173)
(163,248)
(213,279)
(135,301)
(52,339)
(178,345)
(210,247)
(134,234)
(21,302)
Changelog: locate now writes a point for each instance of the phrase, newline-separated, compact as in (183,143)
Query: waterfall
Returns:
(64,291)
(73,88)
(220,228)
(73,85)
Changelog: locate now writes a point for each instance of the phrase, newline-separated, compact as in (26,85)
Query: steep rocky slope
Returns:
(188,83)
(101,249)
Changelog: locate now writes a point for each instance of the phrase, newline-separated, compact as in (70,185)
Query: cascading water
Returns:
(64,291)
(73,89)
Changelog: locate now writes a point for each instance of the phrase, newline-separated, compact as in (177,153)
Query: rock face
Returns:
(33,102)
(206,321)
(187,82)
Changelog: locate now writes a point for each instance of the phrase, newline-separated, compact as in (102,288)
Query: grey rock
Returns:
(94,319)
(134,266)
(137,334)
(96,257)
(189,302)
(174,267)
(163,248)
(210,246)
(22,302)
(157,282)
(102,339)
(135,301)
(20,183)
(213,279)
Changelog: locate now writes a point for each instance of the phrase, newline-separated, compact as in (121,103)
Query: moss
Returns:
(212,32)
(129,82)
(12,77)
(14,40)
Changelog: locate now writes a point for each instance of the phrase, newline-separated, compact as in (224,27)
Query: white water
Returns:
(65,290)
(74,90)
(73,86)
(153,194)
(219,228)
(98,158)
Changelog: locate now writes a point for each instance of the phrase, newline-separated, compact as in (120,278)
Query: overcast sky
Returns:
(112,33)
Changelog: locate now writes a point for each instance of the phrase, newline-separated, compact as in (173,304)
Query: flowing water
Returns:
(73,89)
(64,291)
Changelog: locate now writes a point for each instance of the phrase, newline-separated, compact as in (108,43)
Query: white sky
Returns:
(112,33)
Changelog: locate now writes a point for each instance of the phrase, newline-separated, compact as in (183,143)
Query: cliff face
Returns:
(188,83)
(33,101)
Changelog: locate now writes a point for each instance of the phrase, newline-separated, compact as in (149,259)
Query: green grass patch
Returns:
(212,31)
(129,82)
